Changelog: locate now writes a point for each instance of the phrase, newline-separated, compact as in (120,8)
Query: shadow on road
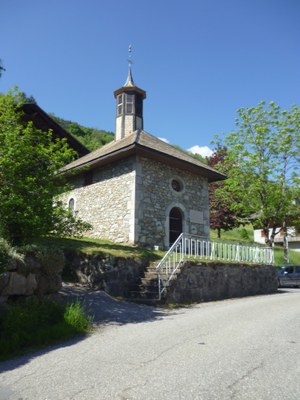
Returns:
(105,309)
(18,361)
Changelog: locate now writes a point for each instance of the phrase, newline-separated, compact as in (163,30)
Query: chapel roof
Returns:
(142,143)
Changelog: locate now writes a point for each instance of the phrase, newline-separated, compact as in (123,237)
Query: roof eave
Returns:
(136,148)
(130,89)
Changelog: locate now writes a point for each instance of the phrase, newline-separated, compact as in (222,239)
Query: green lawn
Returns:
(245,234)
(294,257)
(99,246)
(241,234)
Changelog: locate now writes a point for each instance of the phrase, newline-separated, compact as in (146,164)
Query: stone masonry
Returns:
(155,198)
(130,201)
(108,203)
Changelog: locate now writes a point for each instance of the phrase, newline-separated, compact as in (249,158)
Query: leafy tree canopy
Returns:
(263,159)
(223,213)
(29,161)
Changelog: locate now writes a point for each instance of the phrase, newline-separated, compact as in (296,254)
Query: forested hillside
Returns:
(93,138)
(90,137)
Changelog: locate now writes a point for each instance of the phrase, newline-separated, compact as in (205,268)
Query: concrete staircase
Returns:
(145,289)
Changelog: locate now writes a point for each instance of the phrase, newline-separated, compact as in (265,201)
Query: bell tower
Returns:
(129,106)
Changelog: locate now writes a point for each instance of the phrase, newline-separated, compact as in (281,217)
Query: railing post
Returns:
(159,287)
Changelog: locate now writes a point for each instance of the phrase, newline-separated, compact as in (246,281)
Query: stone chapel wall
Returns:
(130,201)
(107,203)
(155,198)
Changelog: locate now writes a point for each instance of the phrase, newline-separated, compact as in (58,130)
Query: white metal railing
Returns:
(188,246)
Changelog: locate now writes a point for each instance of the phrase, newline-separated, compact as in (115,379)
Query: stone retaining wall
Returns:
(115,275)
(215,281)
(38,274)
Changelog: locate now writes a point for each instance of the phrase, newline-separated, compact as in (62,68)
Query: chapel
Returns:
(138,189)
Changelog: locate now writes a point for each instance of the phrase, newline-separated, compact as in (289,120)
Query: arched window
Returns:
(71,206)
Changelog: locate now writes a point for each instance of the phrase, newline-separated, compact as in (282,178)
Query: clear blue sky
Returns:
(198,60)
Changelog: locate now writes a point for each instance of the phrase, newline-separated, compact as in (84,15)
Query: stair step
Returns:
(143,294)
(148,302)
(149,281)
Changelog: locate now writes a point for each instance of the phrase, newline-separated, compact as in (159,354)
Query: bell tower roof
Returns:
(129,106)
(129,85)
(129,81)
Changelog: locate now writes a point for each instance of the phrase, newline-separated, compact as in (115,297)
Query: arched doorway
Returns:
(175,224)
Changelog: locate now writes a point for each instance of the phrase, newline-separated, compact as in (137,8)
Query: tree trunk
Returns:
(219,233)
(267,239)
(272,237)
(285,243)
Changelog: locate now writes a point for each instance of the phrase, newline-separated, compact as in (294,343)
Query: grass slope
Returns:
(99,246)
(245,234)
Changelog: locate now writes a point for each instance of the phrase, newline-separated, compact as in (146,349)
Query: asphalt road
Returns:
(235,349)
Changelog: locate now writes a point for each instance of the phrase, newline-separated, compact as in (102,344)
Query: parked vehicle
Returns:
(289,276)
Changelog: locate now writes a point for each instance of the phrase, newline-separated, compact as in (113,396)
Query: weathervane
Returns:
(129,81)
(129,56)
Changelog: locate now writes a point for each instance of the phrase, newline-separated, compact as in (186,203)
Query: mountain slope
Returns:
(91,138)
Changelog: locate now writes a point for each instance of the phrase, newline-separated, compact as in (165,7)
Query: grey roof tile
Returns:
(142,140)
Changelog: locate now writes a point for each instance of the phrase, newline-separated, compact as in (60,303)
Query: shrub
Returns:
(76,317)
(52,260)
(244,234)
(4,254)
(8,254)
(37,324)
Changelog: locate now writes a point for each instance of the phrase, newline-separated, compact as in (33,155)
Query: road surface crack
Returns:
(233,388)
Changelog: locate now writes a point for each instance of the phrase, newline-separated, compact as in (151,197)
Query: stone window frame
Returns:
(181,184)
(73,207)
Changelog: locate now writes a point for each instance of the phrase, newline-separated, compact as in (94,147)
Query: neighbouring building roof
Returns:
(41,120)
(142,143)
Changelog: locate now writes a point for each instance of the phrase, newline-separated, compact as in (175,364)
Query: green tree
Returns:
(29,183)
(223,214)
(91,138)
(264,157)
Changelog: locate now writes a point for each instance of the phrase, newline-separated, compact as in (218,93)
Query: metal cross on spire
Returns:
(129,81)
(129,55)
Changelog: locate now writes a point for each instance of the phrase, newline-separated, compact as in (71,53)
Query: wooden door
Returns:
(175,223)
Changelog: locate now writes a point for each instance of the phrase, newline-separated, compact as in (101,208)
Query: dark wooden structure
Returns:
(42,121)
